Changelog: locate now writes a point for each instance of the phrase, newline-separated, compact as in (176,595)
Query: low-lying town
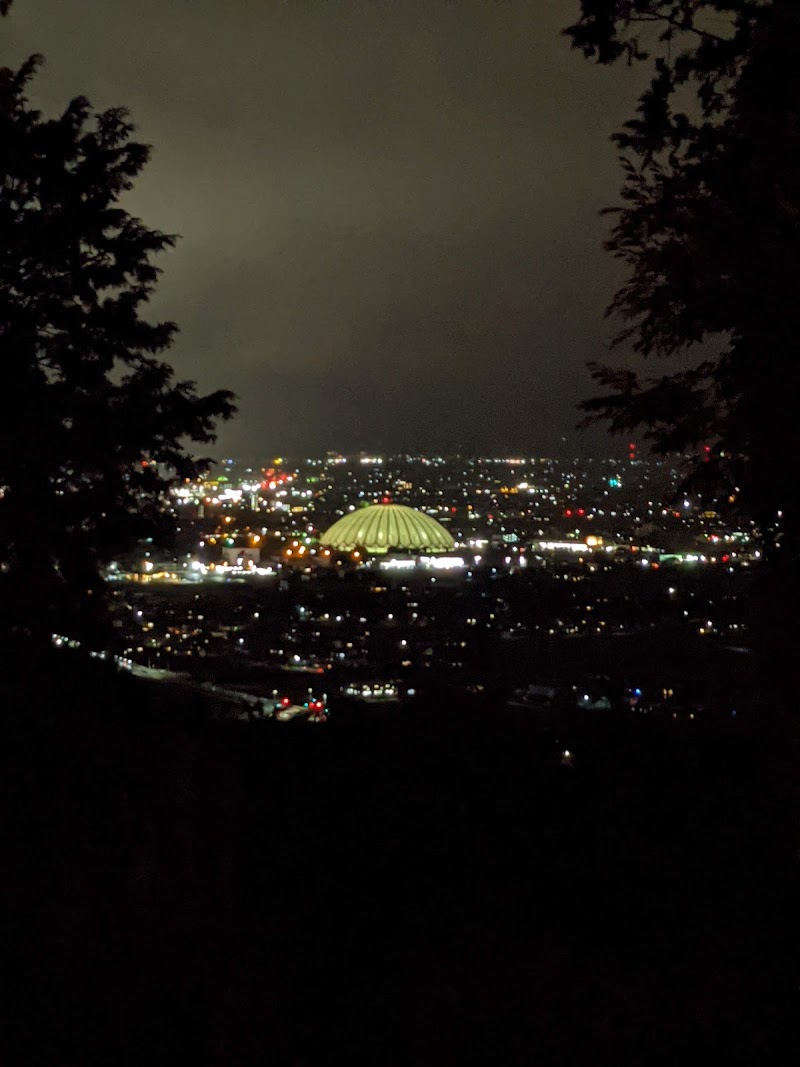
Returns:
(302,589)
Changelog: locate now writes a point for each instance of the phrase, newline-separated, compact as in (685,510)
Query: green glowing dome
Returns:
(382,527)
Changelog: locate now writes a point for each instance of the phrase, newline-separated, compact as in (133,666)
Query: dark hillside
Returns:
(431,890)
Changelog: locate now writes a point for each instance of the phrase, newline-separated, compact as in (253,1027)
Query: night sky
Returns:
(388,211)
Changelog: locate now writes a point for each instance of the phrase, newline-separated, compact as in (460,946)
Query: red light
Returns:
(145,463)
(285,701)
(725,558)
(453,510)
(568,513)
(581,511)
(385,500)
(707,448)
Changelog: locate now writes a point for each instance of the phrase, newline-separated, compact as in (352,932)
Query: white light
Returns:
(442,563)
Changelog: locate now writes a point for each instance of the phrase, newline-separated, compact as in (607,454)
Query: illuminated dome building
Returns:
(382,528)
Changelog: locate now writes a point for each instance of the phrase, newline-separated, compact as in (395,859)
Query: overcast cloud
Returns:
(388,211)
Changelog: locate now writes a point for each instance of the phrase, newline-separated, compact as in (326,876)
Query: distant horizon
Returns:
(271,457)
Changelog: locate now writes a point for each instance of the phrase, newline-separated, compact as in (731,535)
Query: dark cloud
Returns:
(389,212)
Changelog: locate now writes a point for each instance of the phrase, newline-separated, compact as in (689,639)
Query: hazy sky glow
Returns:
(389,212)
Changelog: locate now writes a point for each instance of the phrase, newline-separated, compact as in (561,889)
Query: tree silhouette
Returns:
(709,228)
(95,426)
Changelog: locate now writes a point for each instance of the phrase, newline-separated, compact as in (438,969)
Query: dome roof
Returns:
(383,526)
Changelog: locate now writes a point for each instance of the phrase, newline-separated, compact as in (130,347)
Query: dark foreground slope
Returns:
(435,891)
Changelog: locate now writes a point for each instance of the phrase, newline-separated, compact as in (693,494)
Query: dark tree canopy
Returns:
(95,426)
(709,228)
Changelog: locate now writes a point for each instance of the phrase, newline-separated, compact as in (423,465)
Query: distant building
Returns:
(383,527)
(240,557)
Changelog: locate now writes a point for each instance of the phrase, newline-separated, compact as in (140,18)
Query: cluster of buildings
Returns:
(278,515)
(380,577)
